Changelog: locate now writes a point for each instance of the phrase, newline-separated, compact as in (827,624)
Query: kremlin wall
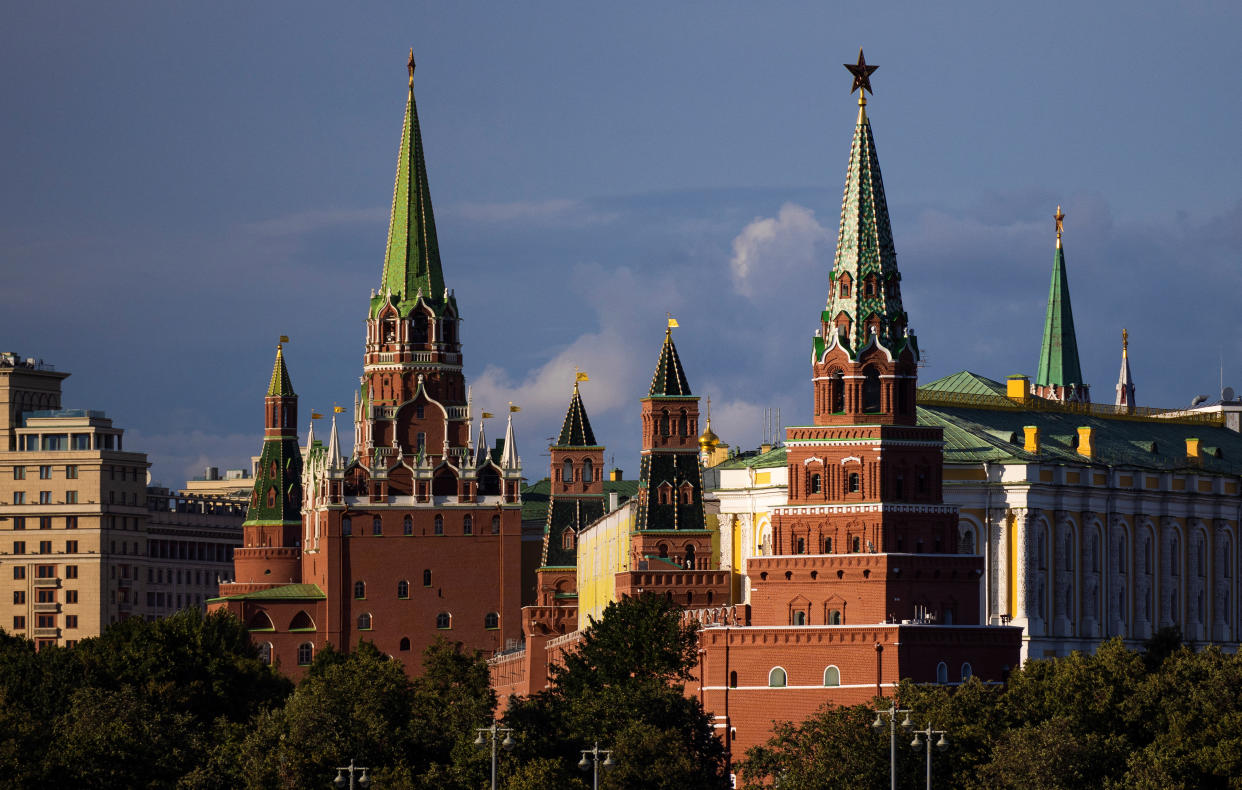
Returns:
(932,532)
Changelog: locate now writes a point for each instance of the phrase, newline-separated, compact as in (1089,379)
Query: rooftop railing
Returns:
(965,400)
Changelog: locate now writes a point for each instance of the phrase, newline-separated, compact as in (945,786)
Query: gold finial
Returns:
(1060,218)
(1125,343)
(410,66)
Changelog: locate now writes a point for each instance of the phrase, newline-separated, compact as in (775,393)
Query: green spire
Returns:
(281,386)
(669,379)
(1058,356)
(865,258)
(412,259)
(576,429)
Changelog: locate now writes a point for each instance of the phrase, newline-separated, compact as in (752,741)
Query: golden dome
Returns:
(709,440)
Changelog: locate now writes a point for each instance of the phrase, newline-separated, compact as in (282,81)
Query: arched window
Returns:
(801,546)
(1069,551)
(495,525)
(690,555)
(404,645)
(733,679)
(827,545)
(777,678)
(967,671)
(942,672)
(664,423)
(832,676)
(265,652)
(419,327)
(439,524)
(1121,555)
(306,652)
(1095,552)
(687,495)
(1173,559)
(364,621)
(837,391)
(855,483)
(261,622)
(968,542)
(347,526)
(377,526)
(407,526)
(1147,555)
(871,391)
(588,471)
(1200,557)
(360,590)
(444,483)
(491,620)
(1041,550)
(426,578)
(663,547)
(799,618)
(834,617)
(444,620)
(855,544)
(403,589)
(567,471)
(301,622)
(271,497)
(467,525)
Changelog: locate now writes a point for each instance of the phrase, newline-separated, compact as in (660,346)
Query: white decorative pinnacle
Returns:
(480,450)
(510,459)
(334,447)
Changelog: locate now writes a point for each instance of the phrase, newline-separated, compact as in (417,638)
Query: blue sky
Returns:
(182,184)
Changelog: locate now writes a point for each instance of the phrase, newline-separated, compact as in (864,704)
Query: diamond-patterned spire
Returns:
(280,386)
(412,258)
(865,292)
(576,429)
(669,379)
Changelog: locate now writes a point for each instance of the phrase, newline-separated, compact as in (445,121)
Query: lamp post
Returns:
(927,734)
(340,782)
(595,752)
(878,725)
(507,744)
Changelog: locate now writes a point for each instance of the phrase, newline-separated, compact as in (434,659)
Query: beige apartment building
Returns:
(83,541)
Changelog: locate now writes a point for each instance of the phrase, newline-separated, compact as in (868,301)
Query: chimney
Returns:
(765,448)
(1193,451)
(1018,388)
(615,475)
(614,501)
(1031,442)
(1085,437)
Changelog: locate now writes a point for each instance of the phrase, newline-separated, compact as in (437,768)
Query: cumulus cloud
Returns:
(771,251)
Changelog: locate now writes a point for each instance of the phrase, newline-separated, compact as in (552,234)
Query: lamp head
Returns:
(906,724)
(916,743)
(878,724)
(339,781)
(508,743)
(609,763)
(364,781)
(943,743)
(584,763)
(479,740)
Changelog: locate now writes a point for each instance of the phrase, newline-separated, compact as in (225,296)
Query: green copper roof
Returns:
(285,592)
(280,386)
(967,382)
(412,259)
(755,460)
(669,380)
(1058,356)
(576,429)
(865,251)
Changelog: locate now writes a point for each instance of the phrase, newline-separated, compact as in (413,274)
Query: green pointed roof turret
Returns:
(865,292)
(281,386)
(669,379)
(576,429)
(412,257)
(1058,356)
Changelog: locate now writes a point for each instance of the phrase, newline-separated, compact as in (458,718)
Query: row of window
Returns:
(45,498)
(407,525)
(56,442)
(306,651)
(444,621)
(45,547)
(1173,552)
(45,571)
(588,471)
(45,522)
(44,621)
(45,595)
(45,472)
(779,678)
(403,587)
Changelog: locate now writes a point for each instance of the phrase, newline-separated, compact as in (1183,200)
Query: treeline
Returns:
(184,702)
(1167,718)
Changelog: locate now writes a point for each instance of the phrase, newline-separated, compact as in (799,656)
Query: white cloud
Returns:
(180,456)
(771,252)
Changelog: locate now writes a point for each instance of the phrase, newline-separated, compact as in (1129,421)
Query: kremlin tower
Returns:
(1059,376)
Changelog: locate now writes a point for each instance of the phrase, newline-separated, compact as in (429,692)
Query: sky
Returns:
(182,183)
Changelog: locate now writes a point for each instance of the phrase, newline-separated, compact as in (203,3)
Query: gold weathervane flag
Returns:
(581,376)
(338,409)
(487,415)
(672,323)
(315,415)
(513,408)
(284,338)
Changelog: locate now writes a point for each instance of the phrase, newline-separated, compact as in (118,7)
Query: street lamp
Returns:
(595,752)
(927,734)
(507,744)
(878,726)
(340,782)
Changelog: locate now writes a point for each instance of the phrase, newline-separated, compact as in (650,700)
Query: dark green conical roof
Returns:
(1058,356)
(412,258)
(280,386)
(576,429)
(277,494)
(669,379)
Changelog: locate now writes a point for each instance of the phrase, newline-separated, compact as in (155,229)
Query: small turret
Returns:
(1125,382)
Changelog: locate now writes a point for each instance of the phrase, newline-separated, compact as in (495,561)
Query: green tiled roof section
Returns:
(865,246)
(566,513)
(285,592)
(576,429)
(979,435)
(769,460)
(675,469)
(669,379)
(966,382)
(1058,356)
(281,385)
(412,257)
(537,495)
(280,468)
